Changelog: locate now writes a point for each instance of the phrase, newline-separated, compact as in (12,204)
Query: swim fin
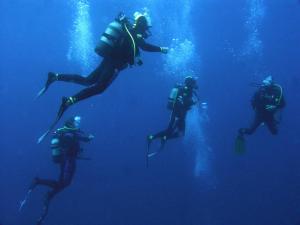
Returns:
(41,138)
(51,78)
(152,154)
(149,155)
(45,211)
(41,92)
(23,202)
(240,145)
(66,102)
(30,189)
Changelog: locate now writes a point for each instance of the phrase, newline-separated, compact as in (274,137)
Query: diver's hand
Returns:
(164,50)
(180,100)
(91,137)
(270,107)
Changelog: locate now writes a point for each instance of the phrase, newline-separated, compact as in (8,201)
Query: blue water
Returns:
(197,180)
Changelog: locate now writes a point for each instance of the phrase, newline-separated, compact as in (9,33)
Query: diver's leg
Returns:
(84,94)
(249,131)
(271,124)
(46,182)
(160,134)
(67,170)
(44,213)
(49,195)
(92,78)
(91,91)
(74,78)
(169,132)
(54,184)
(108,73)
(179,130)
(164,133)
(106,78)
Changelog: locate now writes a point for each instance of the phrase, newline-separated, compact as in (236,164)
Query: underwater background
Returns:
(198,179)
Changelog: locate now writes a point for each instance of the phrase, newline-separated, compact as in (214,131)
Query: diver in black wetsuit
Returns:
(266,102)
(119,46)
(180,102)
(65,145)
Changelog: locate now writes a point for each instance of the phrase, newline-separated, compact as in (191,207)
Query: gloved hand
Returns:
(139,62)
(91,137)
(164,50)
(180,100)
(270,107)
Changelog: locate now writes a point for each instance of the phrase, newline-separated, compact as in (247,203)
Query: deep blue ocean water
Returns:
(198,179)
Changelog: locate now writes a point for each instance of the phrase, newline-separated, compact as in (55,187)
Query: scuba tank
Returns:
(57,151)
(113,38)
(110,39)
(172,98)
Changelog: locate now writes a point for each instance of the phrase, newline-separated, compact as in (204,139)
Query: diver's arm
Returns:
(85,138)
(148,47)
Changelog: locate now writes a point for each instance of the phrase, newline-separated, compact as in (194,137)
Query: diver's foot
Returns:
(51,78)
(33,184)
(149,140)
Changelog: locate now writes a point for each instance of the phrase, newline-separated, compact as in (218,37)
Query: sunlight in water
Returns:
(256,14)
(81,38)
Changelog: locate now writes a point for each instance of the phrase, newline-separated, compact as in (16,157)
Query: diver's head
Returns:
(191,82)
(73,122)
(142,24)
(268,81)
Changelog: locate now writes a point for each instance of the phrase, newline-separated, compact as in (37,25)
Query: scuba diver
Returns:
(119,46)
(66,149)
(266,102)
(180,101)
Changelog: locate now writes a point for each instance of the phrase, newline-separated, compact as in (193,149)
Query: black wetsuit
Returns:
(109,68)
(182,105)
(69,142)
(262,101)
